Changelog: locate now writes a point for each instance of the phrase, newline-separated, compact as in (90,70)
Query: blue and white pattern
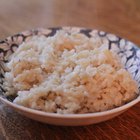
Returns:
(129,53)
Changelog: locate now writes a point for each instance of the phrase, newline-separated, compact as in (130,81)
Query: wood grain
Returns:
(121,17)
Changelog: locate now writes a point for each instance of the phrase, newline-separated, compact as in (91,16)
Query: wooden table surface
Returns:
(121,17)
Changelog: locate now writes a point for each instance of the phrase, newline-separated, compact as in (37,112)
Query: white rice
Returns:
(68,73)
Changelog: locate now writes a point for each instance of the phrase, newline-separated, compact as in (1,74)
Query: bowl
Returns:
(127,51)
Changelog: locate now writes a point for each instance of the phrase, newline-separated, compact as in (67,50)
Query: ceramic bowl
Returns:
(127,51)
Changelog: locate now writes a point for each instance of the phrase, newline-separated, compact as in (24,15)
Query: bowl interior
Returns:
(128,52)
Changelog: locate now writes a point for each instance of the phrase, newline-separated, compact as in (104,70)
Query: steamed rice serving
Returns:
(68,73)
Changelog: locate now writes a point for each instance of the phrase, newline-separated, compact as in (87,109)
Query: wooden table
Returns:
(121,17)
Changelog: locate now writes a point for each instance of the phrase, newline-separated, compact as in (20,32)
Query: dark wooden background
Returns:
(121,17)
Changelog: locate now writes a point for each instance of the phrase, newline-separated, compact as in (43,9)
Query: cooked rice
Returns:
(68,73)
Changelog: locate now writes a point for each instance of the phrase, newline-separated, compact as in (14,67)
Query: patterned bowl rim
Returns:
(72,116)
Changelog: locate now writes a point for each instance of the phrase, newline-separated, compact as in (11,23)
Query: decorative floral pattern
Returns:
(128,52)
